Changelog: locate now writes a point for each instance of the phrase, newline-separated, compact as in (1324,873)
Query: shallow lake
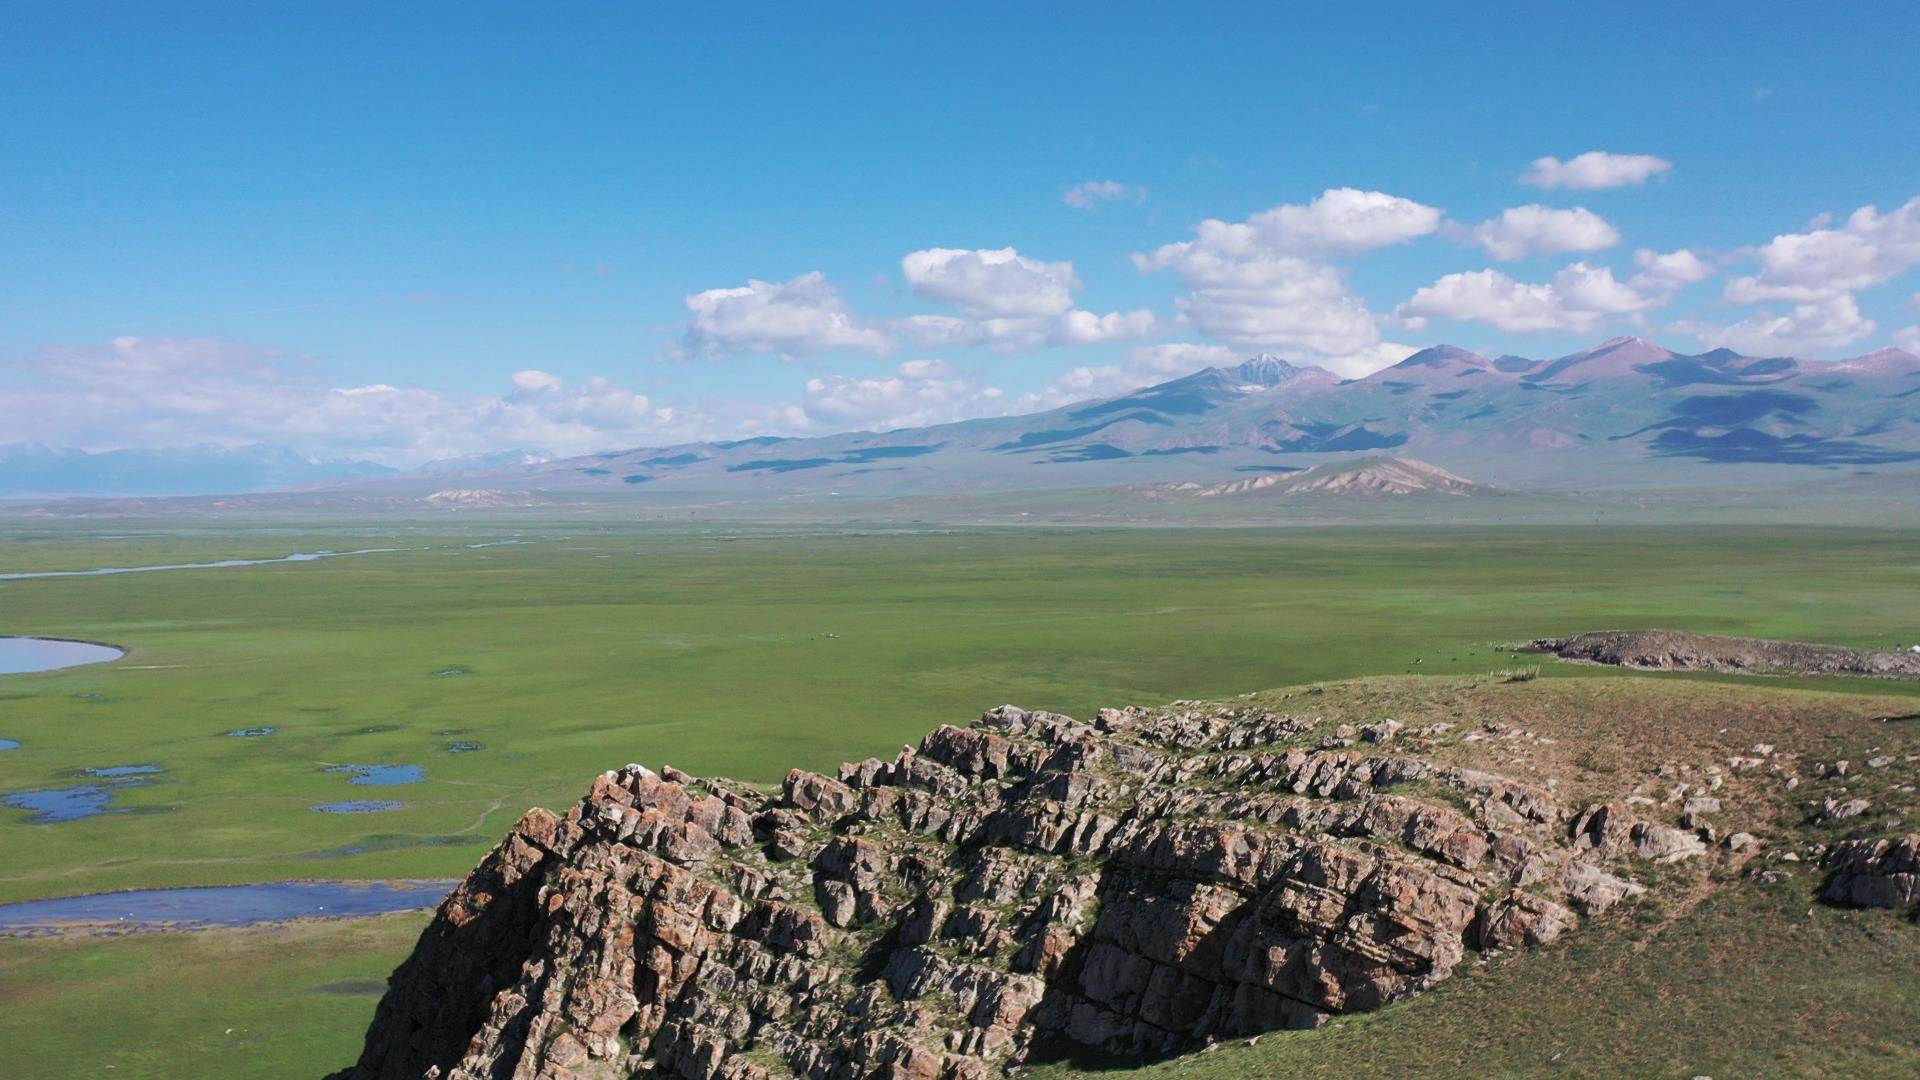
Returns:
(230,905)
(19,655)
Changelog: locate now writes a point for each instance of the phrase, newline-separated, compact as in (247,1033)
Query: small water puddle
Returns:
(121,770)
(446,673)
(464,746)
(359,806)
(229,905)
(251,732)
(9,744)
(19,655)
(381,775)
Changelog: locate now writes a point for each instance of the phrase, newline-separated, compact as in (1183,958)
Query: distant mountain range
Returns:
(28,470)
(1625,413)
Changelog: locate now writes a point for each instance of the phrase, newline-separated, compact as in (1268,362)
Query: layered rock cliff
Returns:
(1146,882)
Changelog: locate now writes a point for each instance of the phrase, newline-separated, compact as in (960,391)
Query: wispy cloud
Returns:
(1089,194)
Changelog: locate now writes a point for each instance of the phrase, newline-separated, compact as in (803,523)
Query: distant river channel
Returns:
(297,557)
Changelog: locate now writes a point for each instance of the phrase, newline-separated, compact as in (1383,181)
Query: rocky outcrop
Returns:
(1874,873)
(1144,882)
(1668,650)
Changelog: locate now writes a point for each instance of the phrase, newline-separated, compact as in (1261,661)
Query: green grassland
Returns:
(738,651)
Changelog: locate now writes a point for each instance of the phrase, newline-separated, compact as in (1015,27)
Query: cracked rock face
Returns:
(1875,873)
(1141,883)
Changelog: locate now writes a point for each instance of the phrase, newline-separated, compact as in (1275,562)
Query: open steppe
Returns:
(745,651)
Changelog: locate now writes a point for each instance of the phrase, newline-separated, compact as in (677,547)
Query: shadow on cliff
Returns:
(1168,1010)
(441,996)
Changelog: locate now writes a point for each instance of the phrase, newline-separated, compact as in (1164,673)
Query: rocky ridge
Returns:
(1669,650)
(1146,882)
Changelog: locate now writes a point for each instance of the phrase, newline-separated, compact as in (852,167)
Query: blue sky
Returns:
(404,233)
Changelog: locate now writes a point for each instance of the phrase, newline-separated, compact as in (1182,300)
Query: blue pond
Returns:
(381,775)
(9,744)
(464,746)
(68,804)
(359,806)
(251,732)
(19,655)
(82,800)
(235,905)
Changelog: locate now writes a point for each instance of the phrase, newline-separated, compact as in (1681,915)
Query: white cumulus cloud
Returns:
(1521,231)
(1818,326)
(918,395)
(990,283)
(1087,328)
(1579,298)
(1807,280)
(1264,283)
(1012,303)
(802,317)
(1670,270)
(1868,249)
(1594,170)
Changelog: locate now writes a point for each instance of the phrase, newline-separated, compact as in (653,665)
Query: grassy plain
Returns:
(735,651)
